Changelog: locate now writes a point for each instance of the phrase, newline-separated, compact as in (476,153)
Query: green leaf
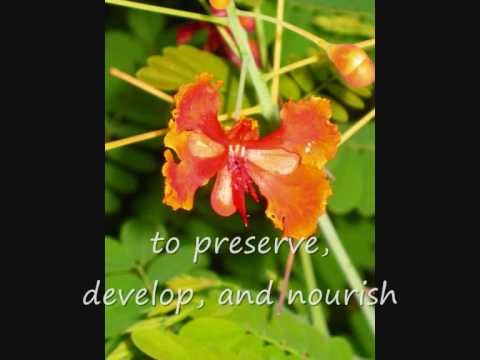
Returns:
(122,51)
(250,316)
(362,333)
(295,332)
(346,24)
(160,79)
(339,349)
(365,7)
(354,171)
(289,89)
(339,113)
(123,351)
(146,25)
(167,266)
(119,317)
(328,272)
(274,353)
(365,92)
(348,184)
(191,282)
(142,109)
(346,96)
(159,344)
(149,207)
(213,332)
(249,3)
(292,42)
(365,144)
(358,237)
(199,228)
(303,76)
(180,65)
(119,179)
(112,202)
(134,159)
(135,235)
(117,257)
(163,63)
(123,281)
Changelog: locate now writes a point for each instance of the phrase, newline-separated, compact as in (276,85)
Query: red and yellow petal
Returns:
(295,201)
(306,130)
(274,160)
(197,106)
(221,198)
(182,179)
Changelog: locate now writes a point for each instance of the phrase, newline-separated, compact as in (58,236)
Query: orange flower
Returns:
(285,165)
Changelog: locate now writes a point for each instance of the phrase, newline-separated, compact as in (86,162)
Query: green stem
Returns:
(168,11)
(269,110)
(262,40)
(277,51)
(347,267)
(318,317)
(241,90)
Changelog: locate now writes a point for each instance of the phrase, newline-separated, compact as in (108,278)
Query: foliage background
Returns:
(134,191)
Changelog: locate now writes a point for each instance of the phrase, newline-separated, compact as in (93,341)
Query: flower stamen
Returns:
(241,181)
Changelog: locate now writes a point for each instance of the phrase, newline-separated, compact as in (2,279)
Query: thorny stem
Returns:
(269,111)
(318,318)
(347,267)
(277,51)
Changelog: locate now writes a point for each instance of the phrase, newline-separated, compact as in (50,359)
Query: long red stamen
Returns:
(252,192)
(241,182)
(239,202)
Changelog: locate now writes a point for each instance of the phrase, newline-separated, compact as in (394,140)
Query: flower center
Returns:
(241,181)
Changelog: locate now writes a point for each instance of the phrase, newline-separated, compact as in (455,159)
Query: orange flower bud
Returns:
(219,4)
(353,63)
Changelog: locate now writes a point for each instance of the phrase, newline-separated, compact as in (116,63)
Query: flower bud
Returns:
(219,4)
(353,64)
(247,22)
